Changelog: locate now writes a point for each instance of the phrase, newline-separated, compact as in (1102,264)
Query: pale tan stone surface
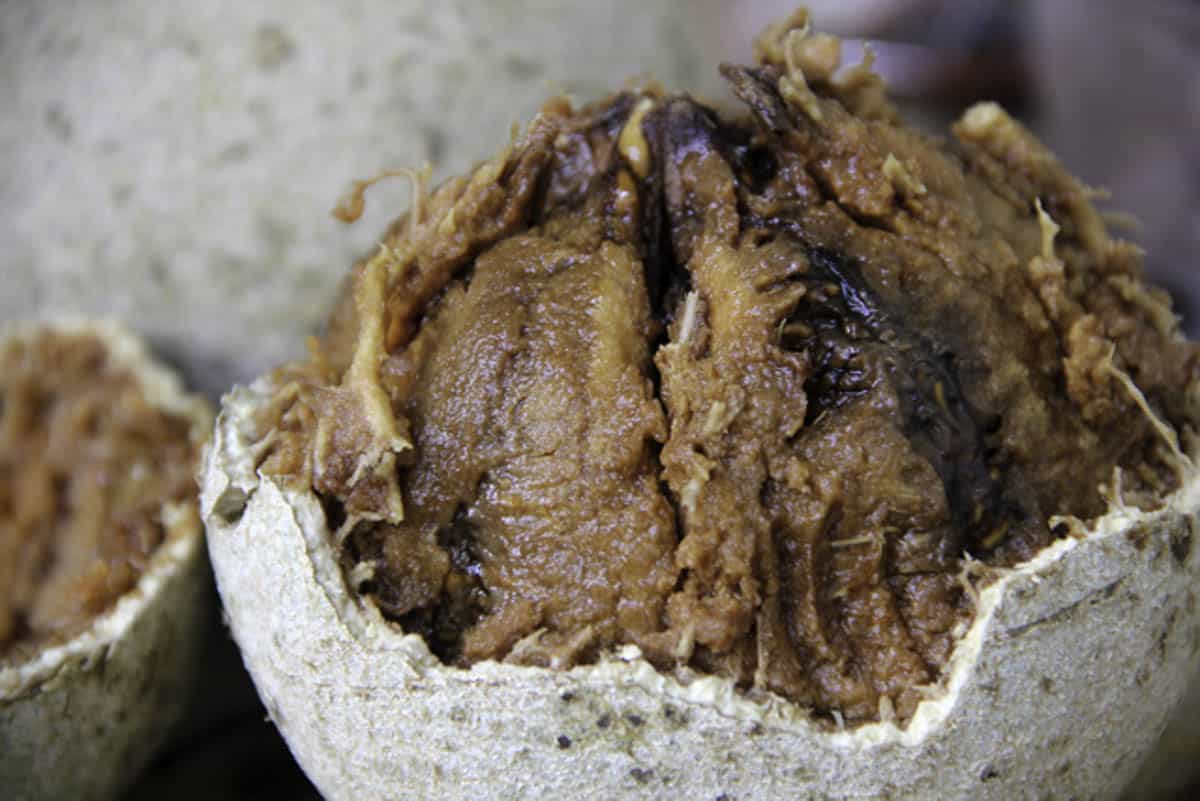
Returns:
(173,164)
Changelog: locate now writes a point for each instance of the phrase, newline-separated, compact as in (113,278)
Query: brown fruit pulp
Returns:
(743,392)
(86,465)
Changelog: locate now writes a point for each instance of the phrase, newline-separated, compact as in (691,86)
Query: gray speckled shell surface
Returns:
(81,720)
(1058,690)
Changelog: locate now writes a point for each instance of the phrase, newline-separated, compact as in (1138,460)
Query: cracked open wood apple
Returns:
(103,577)
(677,454)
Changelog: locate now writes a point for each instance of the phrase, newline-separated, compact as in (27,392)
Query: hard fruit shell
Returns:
(1058,689)
(81,719)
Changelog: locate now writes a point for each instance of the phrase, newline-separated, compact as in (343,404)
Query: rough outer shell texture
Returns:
(81,719)
(1058,689)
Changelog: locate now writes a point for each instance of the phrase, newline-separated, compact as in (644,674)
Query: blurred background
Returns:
(173,164)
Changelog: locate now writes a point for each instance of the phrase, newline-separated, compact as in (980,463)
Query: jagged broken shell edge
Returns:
(1062,682)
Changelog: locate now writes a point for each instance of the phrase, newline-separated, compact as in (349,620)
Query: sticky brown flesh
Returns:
(750,409)
(86,465)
